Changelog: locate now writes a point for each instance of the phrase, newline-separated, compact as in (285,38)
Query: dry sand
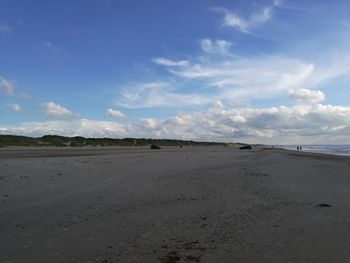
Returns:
(200,204)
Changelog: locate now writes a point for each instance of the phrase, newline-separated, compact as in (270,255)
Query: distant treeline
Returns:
(55,140)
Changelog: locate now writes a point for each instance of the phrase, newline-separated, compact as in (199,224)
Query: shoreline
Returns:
(330,149)
(56,151)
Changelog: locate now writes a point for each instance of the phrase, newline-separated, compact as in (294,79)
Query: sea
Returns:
(335,149)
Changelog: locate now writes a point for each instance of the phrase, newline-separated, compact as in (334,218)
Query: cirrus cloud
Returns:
(170,63)
(4,27)
(14,107)
(157,94)
(7,87)
(235,79)
(246,24)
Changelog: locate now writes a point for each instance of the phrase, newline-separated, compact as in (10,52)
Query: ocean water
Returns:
(337,149)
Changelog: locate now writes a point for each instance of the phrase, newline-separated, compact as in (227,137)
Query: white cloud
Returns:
(149,123)
(157,94)
(306,95)
(138,95)
(51,47)
(56,110)
(50,50)
(25,96)
(4,27)
(278,3)
(115,113)
(297,124)
(75,127)
(14,107)
(217,46)
(244,79)
(234,80)
(345,24)
(246,24)
(261,17)
(7,87)
(232,19)
(10,88)
(170,63)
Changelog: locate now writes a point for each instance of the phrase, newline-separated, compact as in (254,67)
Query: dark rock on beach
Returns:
(245,147)
(155,147)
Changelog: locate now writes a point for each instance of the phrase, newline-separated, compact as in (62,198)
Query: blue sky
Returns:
(254,71)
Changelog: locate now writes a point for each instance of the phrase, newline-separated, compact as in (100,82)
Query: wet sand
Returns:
(195,204)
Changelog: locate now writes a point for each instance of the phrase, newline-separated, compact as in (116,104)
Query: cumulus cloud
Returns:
(168,62)
(14,107)
(306,95)
(115,113)
(266,125)
(75,127)
(56,110)
(301,123)
(149,123)
(7,87)
(217,46)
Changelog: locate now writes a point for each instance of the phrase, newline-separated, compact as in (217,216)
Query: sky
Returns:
(267,71)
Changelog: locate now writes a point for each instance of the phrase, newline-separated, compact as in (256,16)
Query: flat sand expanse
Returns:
(195,204)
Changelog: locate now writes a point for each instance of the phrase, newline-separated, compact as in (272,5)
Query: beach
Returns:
(190,204)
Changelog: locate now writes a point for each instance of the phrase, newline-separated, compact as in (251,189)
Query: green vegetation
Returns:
(55,140)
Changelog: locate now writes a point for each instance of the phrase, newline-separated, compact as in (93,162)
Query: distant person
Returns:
(297,148)
(301,148)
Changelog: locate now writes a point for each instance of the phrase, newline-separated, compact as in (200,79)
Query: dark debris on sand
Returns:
(323,205)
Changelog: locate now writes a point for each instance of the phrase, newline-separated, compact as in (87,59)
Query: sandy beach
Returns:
(195,204)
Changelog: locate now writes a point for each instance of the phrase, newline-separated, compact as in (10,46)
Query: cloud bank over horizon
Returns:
(274,125)
(253,76)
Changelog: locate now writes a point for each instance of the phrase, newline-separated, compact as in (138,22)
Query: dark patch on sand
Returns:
(194,258)
(170,257)
(191,251)
(323,205)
